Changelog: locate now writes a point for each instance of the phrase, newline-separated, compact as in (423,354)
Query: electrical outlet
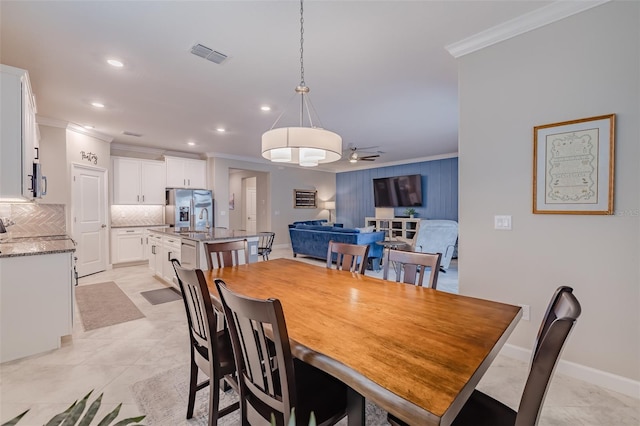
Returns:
(525,312)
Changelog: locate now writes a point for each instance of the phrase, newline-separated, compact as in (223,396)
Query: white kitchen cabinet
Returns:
(127,245)
(138,181)
(171,247)
(36,303)
(186,173)
(18,134)
(155,253)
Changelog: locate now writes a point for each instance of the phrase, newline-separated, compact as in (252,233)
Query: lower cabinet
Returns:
(36,303)
(127,245)
(162,249)
(154,252)
(170,250)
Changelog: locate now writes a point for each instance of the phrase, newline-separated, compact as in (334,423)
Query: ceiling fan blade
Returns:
(369,157)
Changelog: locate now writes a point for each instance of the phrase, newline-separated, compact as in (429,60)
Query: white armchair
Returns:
(436,236)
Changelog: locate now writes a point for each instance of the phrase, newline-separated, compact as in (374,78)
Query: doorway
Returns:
(89,218)
(250,204)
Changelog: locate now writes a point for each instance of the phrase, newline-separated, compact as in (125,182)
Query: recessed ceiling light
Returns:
(88,127)
(97,104)
(221,129)
(265,108)
(115,63)
(191,143)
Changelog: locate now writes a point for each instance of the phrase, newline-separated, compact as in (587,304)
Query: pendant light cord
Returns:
(302,83)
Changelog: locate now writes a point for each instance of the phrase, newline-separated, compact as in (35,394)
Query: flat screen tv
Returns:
(398,191)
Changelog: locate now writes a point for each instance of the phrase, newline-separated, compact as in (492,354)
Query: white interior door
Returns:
(89,218)
(251,210)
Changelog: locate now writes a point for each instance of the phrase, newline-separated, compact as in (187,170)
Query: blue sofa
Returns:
(311,238)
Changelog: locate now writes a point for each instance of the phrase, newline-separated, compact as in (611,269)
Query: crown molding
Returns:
(520,25)
(61,124)
(136,148)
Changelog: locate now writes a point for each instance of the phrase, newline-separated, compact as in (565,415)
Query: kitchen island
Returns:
(188,248)
(36,294)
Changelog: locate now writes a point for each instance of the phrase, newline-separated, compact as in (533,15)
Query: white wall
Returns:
(582,66)
(282,180)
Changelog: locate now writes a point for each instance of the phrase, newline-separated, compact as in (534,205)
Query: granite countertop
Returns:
(31,246)
(202,236)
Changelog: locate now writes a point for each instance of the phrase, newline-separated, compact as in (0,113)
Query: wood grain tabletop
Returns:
(416,352)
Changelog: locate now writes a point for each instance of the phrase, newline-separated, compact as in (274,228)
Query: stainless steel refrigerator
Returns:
(190,209)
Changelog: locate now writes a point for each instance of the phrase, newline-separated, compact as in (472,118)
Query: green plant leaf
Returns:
(91,412)
(292,419)
(110,417)
(129,421)
(76,411)
(59,418)
(16,419)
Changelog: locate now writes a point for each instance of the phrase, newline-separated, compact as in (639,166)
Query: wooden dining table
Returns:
(415,352)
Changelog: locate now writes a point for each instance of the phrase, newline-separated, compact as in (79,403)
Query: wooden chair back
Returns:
(350,257)
(226,253)
(210,349)
(562,314)
(265,371)
(412,266)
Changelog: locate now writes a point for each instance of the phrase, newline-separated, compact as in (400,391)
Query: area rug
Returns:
(161,295)
(104,304)
(163,399)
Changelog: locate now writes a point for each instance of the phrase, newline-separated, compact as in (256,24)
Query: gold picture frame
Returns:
(573,166)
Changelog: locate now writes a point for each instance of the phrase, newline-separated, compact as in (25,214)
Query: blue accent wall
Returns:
(354,191)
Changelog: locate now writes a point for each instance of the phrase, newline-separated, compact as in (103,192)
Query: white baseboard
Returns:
(601,378)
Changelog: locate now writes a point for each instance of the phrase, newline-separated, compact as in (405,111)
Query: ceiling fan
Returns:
(354,155)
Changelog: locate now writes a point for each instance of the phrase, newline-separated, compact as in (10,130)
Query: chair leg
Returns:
(193,387)
(214,400)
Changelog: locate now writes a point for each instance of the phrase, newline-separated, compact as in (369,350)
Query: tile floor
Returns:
(111,359)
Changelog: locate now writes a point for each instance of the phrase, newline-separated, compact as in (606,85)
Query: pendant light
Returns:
(306,146)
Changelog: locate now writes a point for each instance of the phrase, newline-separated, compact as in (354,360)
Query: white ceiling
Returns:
(378,71)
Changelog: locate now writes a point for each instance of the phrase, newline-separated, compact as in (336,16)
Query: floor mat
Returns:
(104,304)
(161,295)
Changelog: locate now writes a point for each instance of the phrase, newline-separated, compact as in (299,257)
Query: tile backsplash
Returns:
(33,220)
(128,215)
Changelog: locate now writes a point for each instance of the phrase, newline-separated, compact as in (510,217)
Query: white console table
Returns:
(397,227)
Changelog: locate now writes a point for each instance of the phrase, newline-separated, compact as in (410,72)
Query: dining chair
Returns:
(271,381)
(350,257)
(226,253)
(265,243)
(211,350)
(412,266)
(482,410)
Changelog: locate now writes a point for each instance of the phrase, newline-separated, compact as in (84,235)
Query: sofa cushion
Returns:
(344,230)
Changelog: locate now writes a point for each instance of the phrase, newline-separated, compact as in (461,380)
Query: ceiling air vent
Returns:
(127,133)
(208,54)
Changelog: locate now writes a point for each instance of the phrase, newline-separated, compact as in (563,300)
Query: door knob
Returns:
(103,226)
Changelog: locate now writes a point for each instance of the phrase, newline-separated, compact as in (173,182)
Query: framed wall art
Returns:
(305,199)
(573,166)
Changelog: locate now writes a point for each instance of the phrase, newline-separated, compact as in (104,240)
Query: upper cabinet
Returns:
(186,173)
(138,181)
(18,135)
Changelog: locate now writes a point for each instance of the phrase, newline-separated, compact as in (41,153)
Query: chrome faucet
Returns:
(207,225)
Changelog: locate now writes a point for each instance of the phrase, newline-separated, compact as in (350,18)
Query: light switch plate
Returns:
(502,222)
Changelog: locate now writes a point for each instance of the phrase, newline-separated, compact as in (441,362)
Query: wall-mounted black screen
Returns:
(398,191)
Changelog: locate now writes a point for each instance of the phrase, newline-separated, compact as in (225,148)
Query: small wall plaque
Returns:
(305,199)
